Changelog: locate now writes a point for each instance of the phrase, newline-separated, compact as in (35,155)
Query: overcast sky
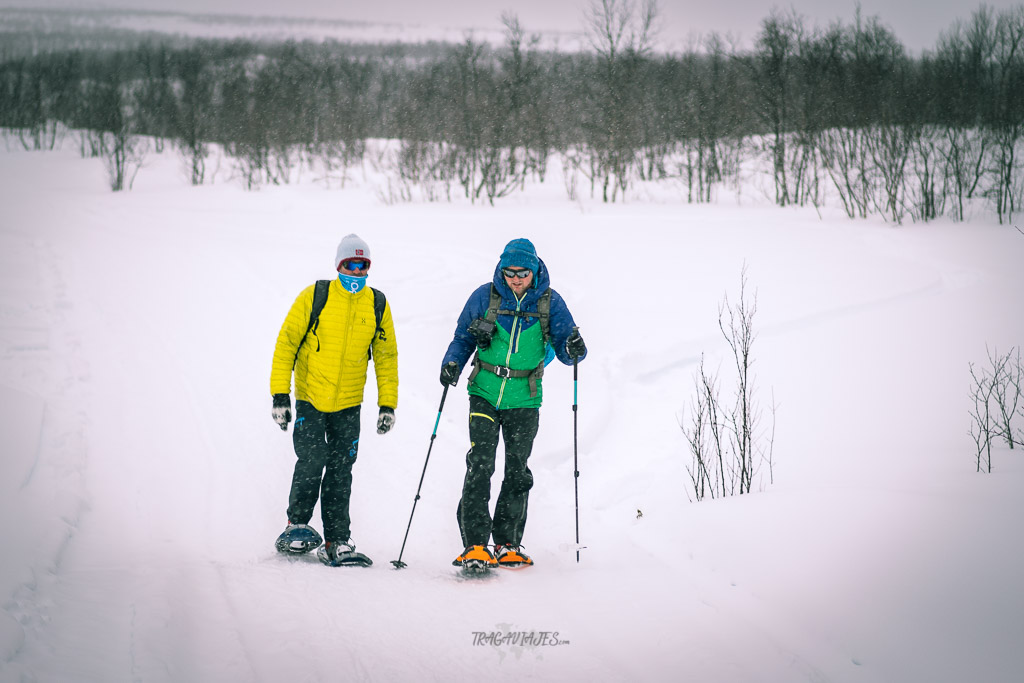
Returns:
(916,22)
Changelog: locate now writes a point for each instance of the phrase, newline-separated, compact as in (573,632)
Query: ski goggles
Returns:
(356,264)
(518,274)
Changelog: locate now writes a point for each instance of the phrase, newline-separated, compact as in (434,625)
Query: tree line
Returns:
(841,111)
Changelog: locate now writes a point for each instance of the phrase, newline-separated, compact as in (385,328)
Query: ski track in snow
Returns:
(40,356)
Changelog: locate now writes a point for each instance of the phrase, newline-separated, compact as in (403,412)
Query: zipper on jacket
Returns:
(511,342)
(347,337)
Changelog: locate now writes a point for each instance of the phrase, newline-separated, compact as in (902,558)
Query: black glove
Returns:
(282,410)
(574,345)
(385,420)
(449,373)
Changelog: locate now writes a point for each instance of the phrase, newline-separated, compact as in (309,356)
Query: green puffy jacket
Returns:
(518,342)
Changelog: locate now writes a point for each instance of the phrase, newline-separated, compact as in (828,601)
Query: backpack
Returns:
(320,300)
(543,311)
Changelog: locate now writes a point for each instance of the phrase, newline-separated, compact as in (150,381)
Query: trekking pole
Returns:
(398,563)
(575,450)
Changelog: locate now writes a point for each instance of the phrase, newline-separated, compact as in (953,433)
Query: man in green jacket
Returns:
(516,324)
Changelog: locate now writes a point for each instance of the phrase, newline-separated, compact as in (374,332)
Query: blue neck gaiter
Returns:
(352,283)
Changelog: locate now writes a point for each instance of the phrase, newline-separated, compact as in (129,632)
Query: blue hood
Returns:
(508,297)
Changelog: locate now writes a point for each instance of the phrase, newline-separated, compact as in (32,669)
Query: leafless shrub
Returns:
(728,445)
(708,474)
(1009,403)
(123,156)
(996,393)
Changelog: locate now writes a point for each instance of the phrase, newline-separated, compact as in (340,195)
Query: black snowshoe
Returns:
(298,539)
(342,555)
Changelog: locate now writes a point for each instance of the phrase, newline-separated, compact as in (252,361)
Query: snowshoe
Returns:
(342,555)
(512,557)
(298,539)
(475,559)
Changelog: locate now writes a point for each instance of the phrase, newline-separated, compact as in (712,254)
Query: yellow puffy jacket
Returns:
(330,371)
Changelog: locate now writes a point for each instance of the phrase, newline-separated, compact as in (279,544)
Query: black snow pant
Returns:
(324,441)
(518,428)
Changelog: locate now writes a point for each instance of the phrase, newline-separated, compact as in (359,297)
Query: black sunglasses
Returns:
(520,274)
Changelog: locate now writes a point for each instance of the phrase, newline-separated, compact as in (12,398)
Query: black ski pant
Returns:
(326,445)
(518,428)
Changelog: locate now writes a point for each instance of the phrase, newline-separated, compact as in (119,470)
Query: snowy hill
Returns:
(144,481)
(28,31)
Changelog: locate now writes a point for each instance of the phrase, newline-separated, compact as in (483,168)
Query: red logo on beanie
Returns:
(359,252)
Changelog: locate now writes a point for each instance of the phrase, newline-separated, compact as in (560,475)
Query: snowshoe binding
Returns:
(512,557)
(475,559)
(335,554)
(298,539)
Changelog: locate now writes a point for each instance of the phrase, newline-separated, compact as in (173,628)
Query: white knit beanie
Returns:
(351,246)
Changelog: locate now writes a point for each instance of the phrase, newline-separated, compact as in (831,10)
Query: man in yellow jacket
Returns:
(329,357)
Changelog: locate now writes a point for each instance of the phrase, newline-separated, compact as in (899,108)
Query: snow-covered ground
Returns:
(142,481)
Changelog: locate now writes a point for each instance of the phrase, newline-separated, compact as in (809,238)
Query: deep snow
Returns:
(143,481)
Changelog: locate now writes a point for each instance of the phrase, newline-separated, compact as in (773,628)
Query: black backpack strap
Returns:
(379,301)
(320,293)
(493,305)
(544,312)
